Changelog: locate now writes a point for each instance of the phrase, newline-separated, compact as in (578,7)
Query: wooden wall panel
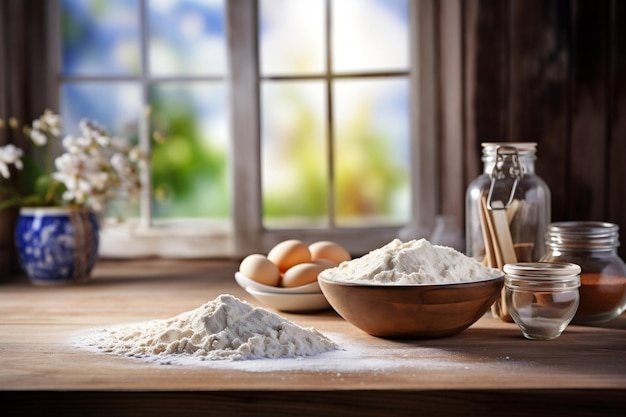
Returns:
(486,76)
(588,141)
(552,71)
(539,87)
(616,199)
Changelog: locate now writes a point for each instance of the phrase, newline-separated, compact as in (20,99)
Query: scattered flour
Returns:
(374,356)
(410,263)
(225,328)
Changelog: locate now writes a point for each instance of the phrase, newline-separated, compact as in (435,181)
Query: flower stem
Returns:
(49,198)
(10,202)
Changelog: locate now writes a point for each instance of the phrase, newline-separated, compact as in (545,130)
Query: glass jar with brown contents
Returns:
(593,246)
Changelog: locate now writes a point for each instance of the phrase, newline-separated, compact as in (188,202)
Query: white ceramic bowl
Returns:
(245,283)
(291,303)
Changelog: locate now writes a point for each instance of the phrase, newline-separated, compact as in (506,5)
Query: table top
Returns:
(489,363)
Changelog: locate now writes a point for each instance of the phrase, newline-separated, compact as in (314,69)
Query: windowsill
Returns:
(172,239)
(162,269)
(205,239)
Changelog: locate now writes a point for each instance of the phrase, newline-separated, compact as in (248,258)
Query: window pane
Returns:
(369,35)
(115,105)
(292,37)
(372,151)
(187,37)
(294,153)
(100,37)
(190,150)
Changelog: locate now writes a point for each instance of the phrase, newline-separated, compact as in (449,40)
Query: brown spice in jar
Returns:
(600,293)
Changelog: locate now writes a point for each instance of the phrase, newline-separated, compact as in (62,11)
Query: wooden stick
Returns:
(490,256)
(503,233)
(497,255)
(507,252)
(512,210)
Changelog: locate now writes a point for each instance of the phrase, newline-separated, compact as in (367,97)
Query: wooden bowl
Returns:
(412,311)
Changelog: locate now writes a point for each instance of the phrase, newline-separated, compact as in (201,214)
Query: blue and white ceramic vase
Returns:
(57,245)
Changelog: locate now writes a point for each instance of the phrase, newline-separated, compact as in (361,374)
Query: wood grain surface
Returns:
(484,370)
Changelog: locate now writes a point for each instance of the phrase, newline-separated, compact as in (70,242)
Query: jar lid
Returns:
(521,146)
(544,275)
(582,235)
(524,149)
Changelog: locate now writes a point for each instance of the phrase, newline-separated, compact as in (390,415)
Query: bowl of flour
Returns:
(412,289)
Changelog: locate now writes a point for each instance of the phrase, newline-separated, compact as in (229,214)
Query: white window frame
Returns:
(197,238)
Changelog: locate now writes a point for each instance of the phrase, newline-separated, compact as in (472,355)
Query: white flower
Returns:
(91,129)
(94,167)
(103,140)
(38,137)
(68,143)
(52,121)
(47,125)
(67,164)
(135,154)
(83,125)
(120,144)
(98,180)
(10,155)
(4,170)
(73,171)
(76,145)
(76,190)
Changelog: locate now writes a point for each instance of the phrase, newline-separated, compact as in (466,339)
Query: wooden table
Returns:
(489,369)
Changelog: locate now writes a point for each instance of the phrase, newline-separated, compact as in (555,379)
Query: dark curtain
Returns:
(24,93)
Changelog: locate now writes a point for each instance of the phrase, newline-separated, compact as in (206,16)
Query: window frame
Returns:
(246,234)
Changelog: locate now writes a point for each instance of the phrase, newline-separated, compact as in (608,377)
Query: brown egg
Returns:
(260,269)
(329,250)
(301,274)
(325,263)
(289,253)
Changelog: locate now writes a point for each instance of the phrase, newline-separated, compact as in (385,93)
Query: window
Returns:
(335,112)
(264,120)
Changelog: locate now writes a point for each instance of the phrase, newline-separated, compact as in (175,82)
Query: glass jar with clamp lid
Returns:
(507,209)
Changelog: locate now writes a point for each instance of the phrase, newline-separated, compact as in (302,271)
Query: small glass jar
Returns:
(592,245)
(542,297)
(508,197)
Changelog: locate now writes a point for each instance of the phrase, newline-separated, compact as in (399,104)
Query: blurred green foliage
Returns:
(189,173)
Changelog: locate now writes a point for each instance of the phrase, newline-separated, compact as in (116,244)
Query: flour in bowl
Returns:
(225,328)
(411,263)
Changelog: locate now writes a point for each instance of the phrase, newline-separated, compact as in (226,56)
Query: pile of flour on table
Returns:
(410,263)
(225,328)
